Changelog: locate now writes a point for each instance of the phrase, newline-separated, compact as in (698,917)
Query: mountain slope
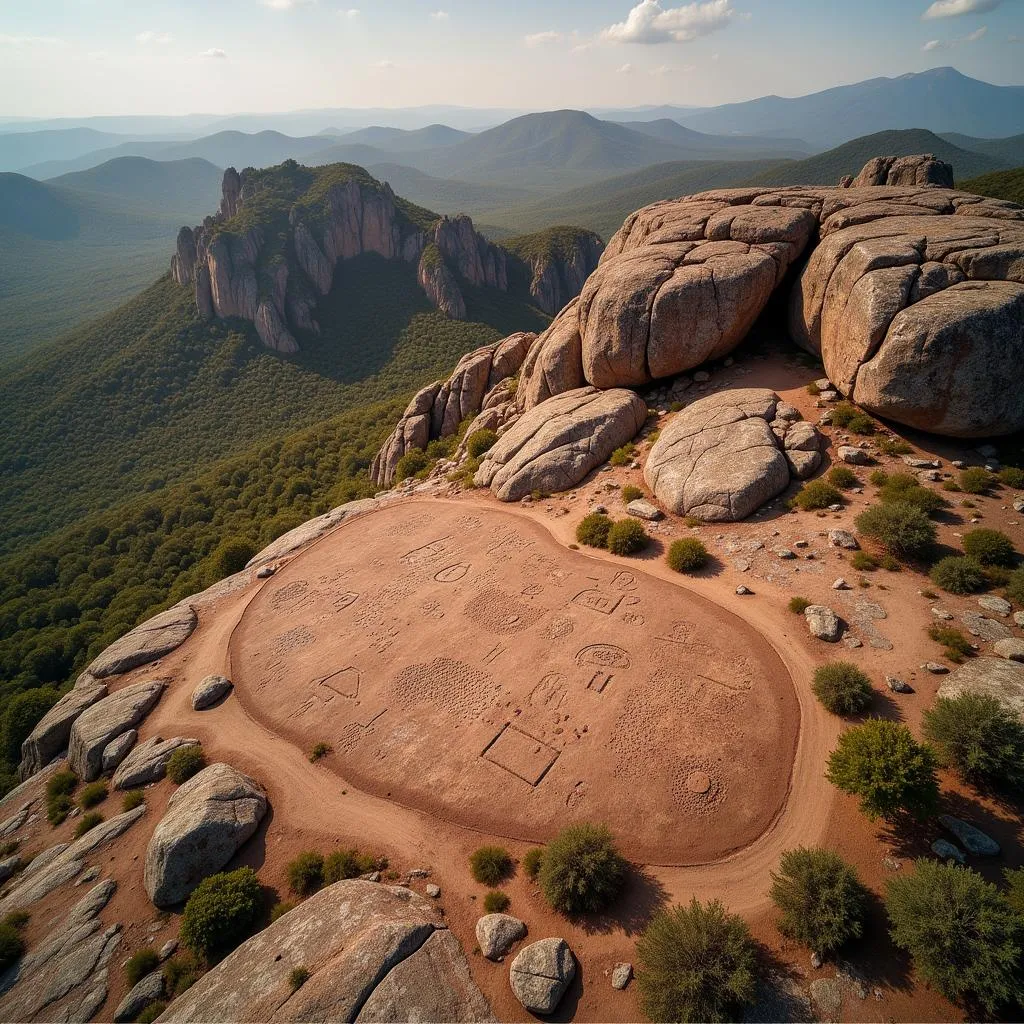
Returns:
(173,185)
(21,149)
(699,146)
(1007,185)
(399,140)
(446,195)
(1008,151)
(940,100)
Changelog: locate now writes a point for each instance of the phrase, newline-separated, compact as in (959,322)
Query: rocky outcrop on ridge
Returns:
(307,532)
(53,731)
(559,261)
(726,455)
(153,639)
(437,410)
(922,169)
(373,952)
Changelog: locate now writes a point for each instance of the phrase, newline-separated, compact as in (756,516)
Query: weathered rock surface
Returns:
(107,719)
(153,639)
(621,975)
(116,750)
(374,952)
(440,284)
(53,731)
(144,992)
(922,169)
(557,443)
(972,839)
(310,531)
(541,973)
(1011,648)
(823,623)
(947,851)
(986,628)
(719,460)
(207,819)
(210,690)
(554,363)
(497,933)
(556,277)
(996,677)
(148,761)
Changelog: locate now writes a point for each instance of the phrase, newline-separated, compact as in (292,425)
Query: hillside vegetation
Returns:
(1007,185)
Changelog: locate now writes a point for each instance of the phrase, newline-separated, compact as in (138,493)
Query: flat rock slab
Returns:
(309,531)
(53,731)
(207,819)
(496,934)
(541,973)
(554,445)
(148,761)
(945,850)
(972,839)
(144,992)
(1011,648)
(374,953)
(986,628)
(995,677)
(153,639)
(107,719)
(209,691)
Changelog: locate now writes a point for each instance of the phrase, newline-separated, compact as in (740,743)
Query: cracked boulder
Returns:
(554,445)
(207,819)
(373,953)
(53,731)
(148,761)
(153,639)
(541,973)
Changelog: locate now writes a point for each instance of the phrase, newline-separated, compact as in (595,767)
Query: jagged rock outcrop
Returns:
(53,731)
(373,953)
(724,456)
(440,284)
(469,254)
(437,410)
(558,273)
(557,443)
(922,169)
(207,819)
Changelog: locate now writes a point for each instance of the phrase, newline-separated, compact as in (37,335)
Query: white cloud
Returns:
(974,36)
(215,53)
(626,69)
(160,38)
(352,13)
(971,37)
(662,69)
(29,42)
(542,38)
(286,5)
(649,22)
(439,15)
(933,44)
(956,8)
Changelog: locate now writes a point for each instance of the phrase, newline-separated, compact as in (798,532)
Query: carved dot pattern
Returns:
(452,686)
(500,613)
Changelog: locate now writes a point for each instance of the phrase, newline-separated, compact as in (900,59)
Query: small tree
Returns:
(232,556)
(902,529)
(821,899)
(141,963)
(977,736)
(490,865)
(964,937)
(842,688)
(989,547)
(687,555)
(696,963)
(220,913)
(24,710)
(958,575)
(532,860)
(882,763)
(581,870)
(975,480)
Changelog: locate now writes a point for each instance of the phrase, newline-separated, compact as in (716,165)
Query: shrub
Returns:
(623,456)
(298,977)
(184,763)
(1015,889)
(821,899)
(861,424)
(319,750)
(696,963)
(58,796)
(902,529)
(928,501)
(232,556)
(220,913)
(87,822)
(631,492)
(687,555)
(863,562)
(141,963)
(532,861)
(593,530)
(1012,476)
(18,919)
(977,736)
(842,688)
(882,763)
(490,865)
(843,413)
(975,480)
(280,909)
(893,446)
(958,575)
(581,871)
(480,441)
(151,1012)
(813,390)
(180,974)
(956,645)
(12,945)
(23,712)
(817,494)
(496,902)
(344,864)
(306,873)
(93,794)
(798,605)
(964,937)
(889,563)
(412,462)
(627,537)
(989,547)
(133,798)
(842,476)
(1015,586)
(879,477)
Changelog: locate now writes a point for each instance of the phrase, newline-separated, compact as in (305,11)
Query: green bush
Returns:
(821,899)
(903,530)
(627,537)
(842,688)
(132,798)
(480,441)
(687,555)
(623,456)
(863,562)
(184,763)
(989,547)
(298,977)
(1015,586)
(977,736)
(696,963)
(306,873)
(139,964)
(927,500)
(151,1012)
(1012,476)
(798,605)
(842,477)
(581,871)
(342,864)
(817,494)
(630,492)
(490,865)
(962,934)
(496,902)
(975,480)
(24,710)
(12,945)
(861,424)
(958,575)
(593,530)
(220,913)
(893,446)
(881,762)
(232,556)
(319,750)
(412,462)
(93,794)
(181,972)
(532,860)
(843,413)
(87,822)
(956,645)
(58,796)
(1015,889)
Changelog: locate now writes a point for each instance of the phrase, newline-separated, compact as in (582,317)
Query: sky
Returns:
(87,57)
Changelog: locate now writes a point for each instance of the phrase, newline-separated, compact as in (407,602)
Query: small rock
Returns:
(643,509)
(986,628)
(743,591)
(209,691)
(87,876)
(433,891)
(147,991)
(897,685)
(828,395)
(929,476)
(702,376)
(915,462)
(799,543)
(935,668)
(1012,649)
(823,623)
(891,863)
(787,412)
(784,553)
(852,642)
(837,507)
(942,613)
(958,463)
(168,949)
(1018,504)
(117,750)
(995,604)
(972,839)
(266,572)
(621,973)
(840,584)
(843,539)
(823,384)
(853,456)
(947,851)
(541,973)
(816,961)
(419,873)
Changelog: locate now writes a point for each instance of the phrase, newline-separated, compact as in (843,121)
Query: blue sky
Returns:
(80,57)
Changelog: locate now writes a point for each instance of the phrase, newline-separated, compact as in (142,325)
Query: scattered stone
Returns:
(947,851)
(266,572)
(843,539)
(8,866)
(148,761)
(116,750)
(87,876)
(496,934)
(799,543)
(153,639)
(915,462)
(897,685)
(929,476)
(935,668)
(816,961)
(209,691)
(541,973)
(621,975)
(853,456)
(823,623)
(743,591)
(942,613)
(828,395)
(852,642)
(146,991)
(642,509)
(986,628)
(434,891)
(994,604)
(823,384)
(784,553)
(840,584)
(168,949)
(891,863)
(787,412)
(972,839)
(1011,648)
(13,823)
(827,998)
(1018,504)
(701,377)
